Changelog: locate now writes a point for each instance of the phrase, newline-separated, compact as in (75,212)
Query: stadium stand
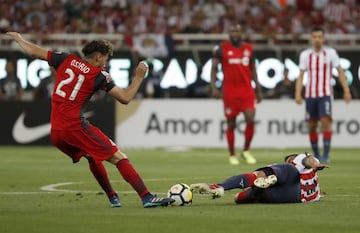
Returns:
(183,25)
(266,22)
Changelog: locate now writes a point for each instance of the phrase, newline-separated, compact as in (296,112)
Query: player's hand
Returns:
(347,96)
(141,69)
(216,93)
(15,35)
(320,167)
(298,100)
(259,96)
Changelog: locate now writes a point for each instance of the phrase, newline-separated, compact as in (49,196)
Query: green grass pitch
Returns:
(42,191)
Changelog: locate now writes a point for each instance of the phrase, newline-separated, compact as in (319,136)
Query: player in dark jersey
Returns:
(76,81)
(294,181)
(238,68)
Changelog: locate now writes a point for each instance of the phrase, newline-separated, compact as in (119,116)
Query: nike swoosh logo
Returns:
(24,134)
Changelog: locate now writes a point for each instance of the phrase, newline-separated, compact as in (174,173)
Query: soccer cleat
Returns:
(233,160)
(114,201)
(265,182)
(215,190)
(249,158)
(155,201)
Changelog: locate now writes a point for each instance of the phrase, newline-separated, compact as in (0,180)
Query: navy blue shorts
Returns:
(286,189)
(317,108)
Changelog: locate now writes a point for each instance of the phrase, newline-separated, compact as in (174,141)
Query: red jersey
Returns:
(309,180)
(76,81)
(237,64)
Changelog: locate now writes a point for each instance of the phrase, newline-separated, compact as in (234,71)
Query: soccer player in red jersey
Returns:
(239,96)
(319,61)
(76,80)
(295,181)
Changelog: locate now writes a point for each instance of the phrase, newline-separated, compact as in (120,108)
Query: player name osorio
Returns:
(80,65)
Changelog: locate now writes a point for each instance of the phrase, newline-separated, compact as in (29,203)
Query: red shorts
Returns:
(234,106)
(87,141)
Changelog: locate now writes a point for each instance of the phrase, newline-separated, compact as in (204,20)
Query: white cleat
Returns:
(265,182)
(214,190)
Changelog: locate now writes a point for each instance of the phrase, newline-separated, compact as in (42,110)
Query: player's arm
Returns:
(344,85)
(298,87)
(124,96)
(312,162)
(216,60)
(28,47)
(258,91)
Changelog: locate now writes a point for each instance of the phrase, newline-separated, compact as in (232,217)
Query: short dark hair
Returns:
(288,156)
(102,46)
(317,29)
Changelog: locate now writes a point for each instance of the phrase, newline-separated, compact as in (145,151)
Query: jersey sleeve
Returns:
(302,61)
(56,58)
(104,81)
(335,59)
(298,162)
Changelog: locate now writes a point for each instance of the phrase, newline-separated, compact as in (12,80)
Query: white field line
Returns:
(57,188)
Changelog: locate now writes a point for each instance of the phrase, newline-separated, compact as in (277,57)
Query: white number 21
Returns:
(77,87)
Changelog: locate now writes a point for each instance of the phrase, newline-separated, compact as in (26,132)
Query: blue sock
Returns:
(240,181)
(315,148)
(327,143)
(326,148)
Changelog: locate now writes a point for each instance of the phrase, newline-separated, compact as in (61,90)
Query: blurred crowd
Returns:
(134,17)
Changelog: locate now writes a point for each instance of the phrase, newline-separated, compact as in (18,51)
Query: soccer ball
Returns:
(181,193)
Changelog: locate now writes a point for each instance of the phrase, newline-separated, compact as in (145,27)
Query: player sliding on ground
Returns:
(294,181)
(76,81)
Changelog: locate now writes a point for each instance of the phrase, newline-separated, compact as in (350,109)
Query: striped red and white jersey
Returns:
(319,69)
(309,180)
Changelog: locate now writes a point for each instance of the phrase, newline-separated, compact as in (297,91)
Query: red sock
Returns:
(327,135)
(243,197)
(129,174)
(249,133)
(230,136)
(313,137)
(250,178)
(99,172)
